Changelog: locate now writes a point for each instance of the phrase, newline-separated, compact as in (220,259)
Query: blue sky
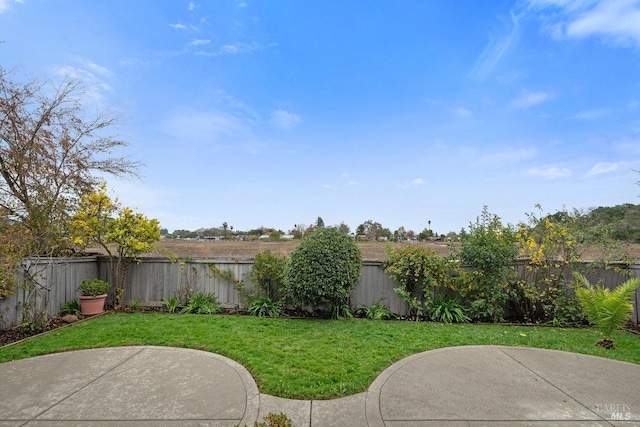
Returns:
(274,112)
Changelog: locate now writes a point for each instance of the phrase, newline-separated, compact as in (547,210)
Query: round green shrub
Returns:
(323,270)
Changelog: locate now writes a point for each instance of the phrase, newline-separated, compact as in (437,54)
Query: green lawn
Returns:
(309,358)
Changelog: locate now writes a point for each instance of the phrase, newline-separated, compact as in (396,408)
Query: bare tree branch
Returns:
(50,152)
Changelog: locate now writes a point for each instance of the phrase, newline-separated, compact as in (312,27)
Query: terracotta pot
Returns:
(90,306)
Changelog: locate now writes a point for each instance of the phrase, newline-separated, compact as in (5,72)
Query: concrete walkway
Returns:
(457,386)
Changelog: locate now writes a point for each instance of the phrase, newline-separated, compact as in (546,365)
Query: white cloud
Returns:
(496,49)
(242,4)
(590,114)
(616,21)
(206,128)
(199,42)
(413,183)
(232,49)
(192,6)
(92,66)
(229,48)
(462,112)
(529,99)
(284,120)
(239,48)
(133,62)
(5,4)
(550,173)
(602,167)
(629,147)
(350,183)
(90,75)
(178,26)
(342,183)
(137,195)
(216,130)
(201,48)
(507,155)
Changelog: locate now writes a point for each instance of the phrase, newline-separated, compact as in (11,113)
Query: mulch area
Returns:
(19,332)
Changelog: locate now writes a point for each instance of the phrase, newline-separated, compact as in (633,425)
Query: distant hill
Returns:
(623,221)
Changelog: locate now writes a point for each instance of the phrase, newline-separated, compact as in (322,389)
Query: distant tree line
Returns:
(620,223)
(367,231)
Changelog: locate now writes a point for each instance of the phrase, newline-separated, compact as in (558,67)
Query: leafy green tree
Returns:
(268,272)
(418,271)
(373,230)
(185,234)
(256,233)
(323,270)
(608,310)
(344,228)
(425,234)
(400,234)
(319,222)
(489,249)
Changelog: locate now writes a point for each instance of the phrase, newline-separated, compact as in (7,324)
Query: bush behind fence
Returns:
(156,278)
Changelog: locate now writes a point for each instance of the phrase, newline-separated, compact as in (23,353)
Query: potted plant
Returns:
(93,294)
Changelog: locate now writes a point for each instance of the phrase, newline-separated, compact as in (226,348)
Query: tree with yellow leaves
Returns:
(548,251)
(131,233)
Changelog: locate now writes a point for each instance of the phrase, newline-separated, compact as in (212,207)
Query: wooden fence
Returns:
(157,278)
(54,282)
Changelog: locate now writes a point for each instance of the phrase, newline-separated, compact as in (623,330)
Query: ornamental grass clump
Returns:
(323,271)
(202,303)
(448,310)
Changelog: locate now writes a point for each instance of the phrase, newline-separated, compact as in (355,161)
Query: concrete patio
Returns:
(456,386)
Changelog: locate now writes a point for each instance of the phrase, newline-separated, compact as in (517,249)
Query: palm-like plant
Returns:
(607,310)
